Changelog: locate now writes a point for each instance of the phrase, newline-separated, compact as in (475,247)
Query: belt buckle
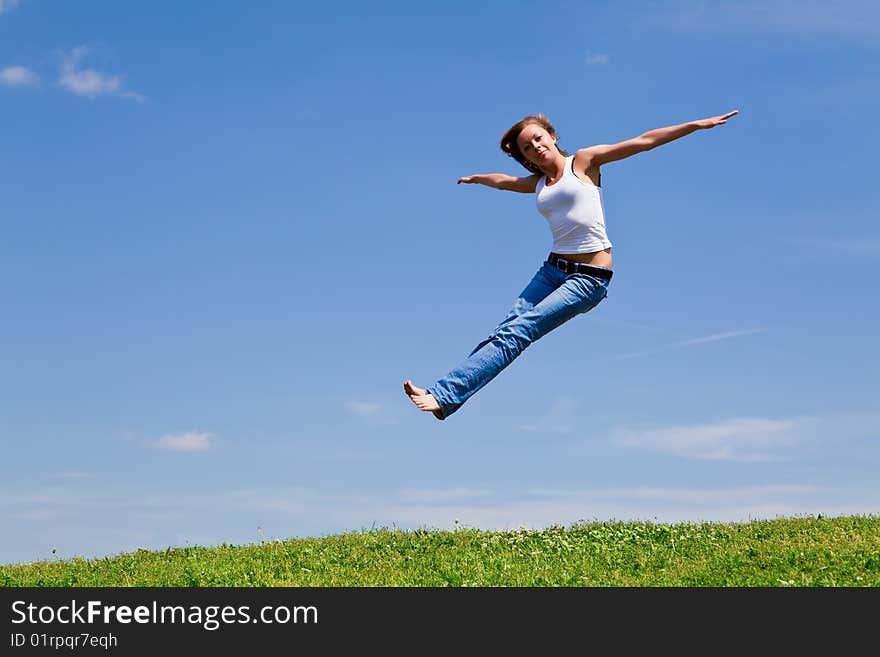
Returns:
(562,265)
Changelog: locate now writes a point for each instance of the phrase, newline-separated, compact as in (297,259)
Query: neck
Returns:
(554,168)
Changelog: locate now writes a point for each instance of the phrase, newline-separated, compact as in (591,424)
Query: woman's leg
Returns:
(550,299)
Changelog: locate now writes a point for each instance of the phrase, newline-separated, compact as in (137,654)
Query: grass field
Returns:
(786,552)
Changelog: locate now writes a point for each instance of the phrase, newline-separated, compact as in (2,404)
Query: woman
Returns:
(575,276)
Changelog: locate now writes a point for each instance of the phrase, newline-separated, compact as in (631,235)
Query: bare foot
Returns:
(424,400)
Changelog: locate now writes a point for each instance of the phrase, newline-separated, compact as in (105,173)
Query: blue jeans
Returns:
(549,300)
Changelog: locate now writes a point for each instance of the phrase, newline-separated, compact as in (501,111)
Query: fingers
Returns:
(720,120)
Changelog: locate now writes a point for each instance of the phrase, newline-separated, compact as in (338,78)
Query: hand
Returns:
(467,179)
(716,120)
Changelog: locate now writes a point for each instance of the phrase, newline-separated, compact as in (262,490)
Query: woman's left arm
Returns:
(600,154)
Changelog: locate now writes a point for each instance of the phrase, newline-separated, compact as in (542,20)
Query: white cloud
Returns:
(370,412)
(17,76)
(679,495)
(867,247)
(363,409)
(72,475)
(434,496)
(846,18)
(715,337)
(736,439)
(632,325)
(749,439)
(597,59)
(192,441)
(8,5)
(719,336)
(845,95)
(158,517)
(89,82)
(539,509)
(133,95)
(559,419)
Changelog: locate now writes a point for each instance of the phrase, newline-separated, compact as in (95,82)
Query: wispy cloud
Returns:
(370,412)
(537,509)
(191,441)
(559,419)
(855,247)
(748,439)
(439,496)
(88,82)
(18,76)
(363,409)
(866,247)
(156,517)
(597,59)
(688,495)
(845,95)
(743,439)
(72,475)
(715,337)
(848,18)
(8,5)
(640,326)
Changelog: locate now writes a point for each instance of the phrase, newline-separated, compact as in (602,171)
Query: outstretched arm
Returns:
(526,185)
(603,153)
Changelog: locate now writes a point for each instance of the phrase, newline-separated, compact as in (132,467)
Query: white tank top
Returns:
(574,211)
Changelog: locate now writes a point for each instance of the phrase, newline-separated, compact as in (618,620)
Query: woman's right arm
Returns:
(526,185)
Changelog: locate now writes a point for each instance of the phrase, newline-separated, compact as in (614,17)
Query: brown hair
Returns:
(509,145)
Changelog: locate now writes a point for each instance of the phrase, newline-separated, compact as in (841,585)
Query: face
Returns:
(536,144)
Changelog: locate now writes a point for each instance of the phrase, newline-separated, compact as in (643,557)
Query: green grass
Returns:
(840,552)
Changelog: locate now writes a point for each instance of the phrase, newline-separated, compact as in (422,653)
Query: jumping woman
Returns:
(576,274)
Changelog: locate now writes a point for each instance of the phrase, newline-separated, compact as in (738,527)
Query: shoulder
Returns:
(534,182)
(586,163)
(526,184)
(588,160)
(587,157)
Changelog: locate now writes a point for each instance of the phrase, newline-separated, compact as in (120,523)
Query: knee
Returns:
(519,332)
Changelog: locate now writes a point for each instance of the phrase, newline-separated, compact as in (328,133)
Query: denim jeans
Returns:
(549,300)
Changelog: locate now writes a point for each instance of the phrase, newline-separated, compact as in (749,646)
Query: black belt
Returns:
(570,267)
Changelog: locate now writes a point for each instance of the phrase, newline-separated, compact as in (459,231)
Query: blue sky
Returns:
(230,231)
